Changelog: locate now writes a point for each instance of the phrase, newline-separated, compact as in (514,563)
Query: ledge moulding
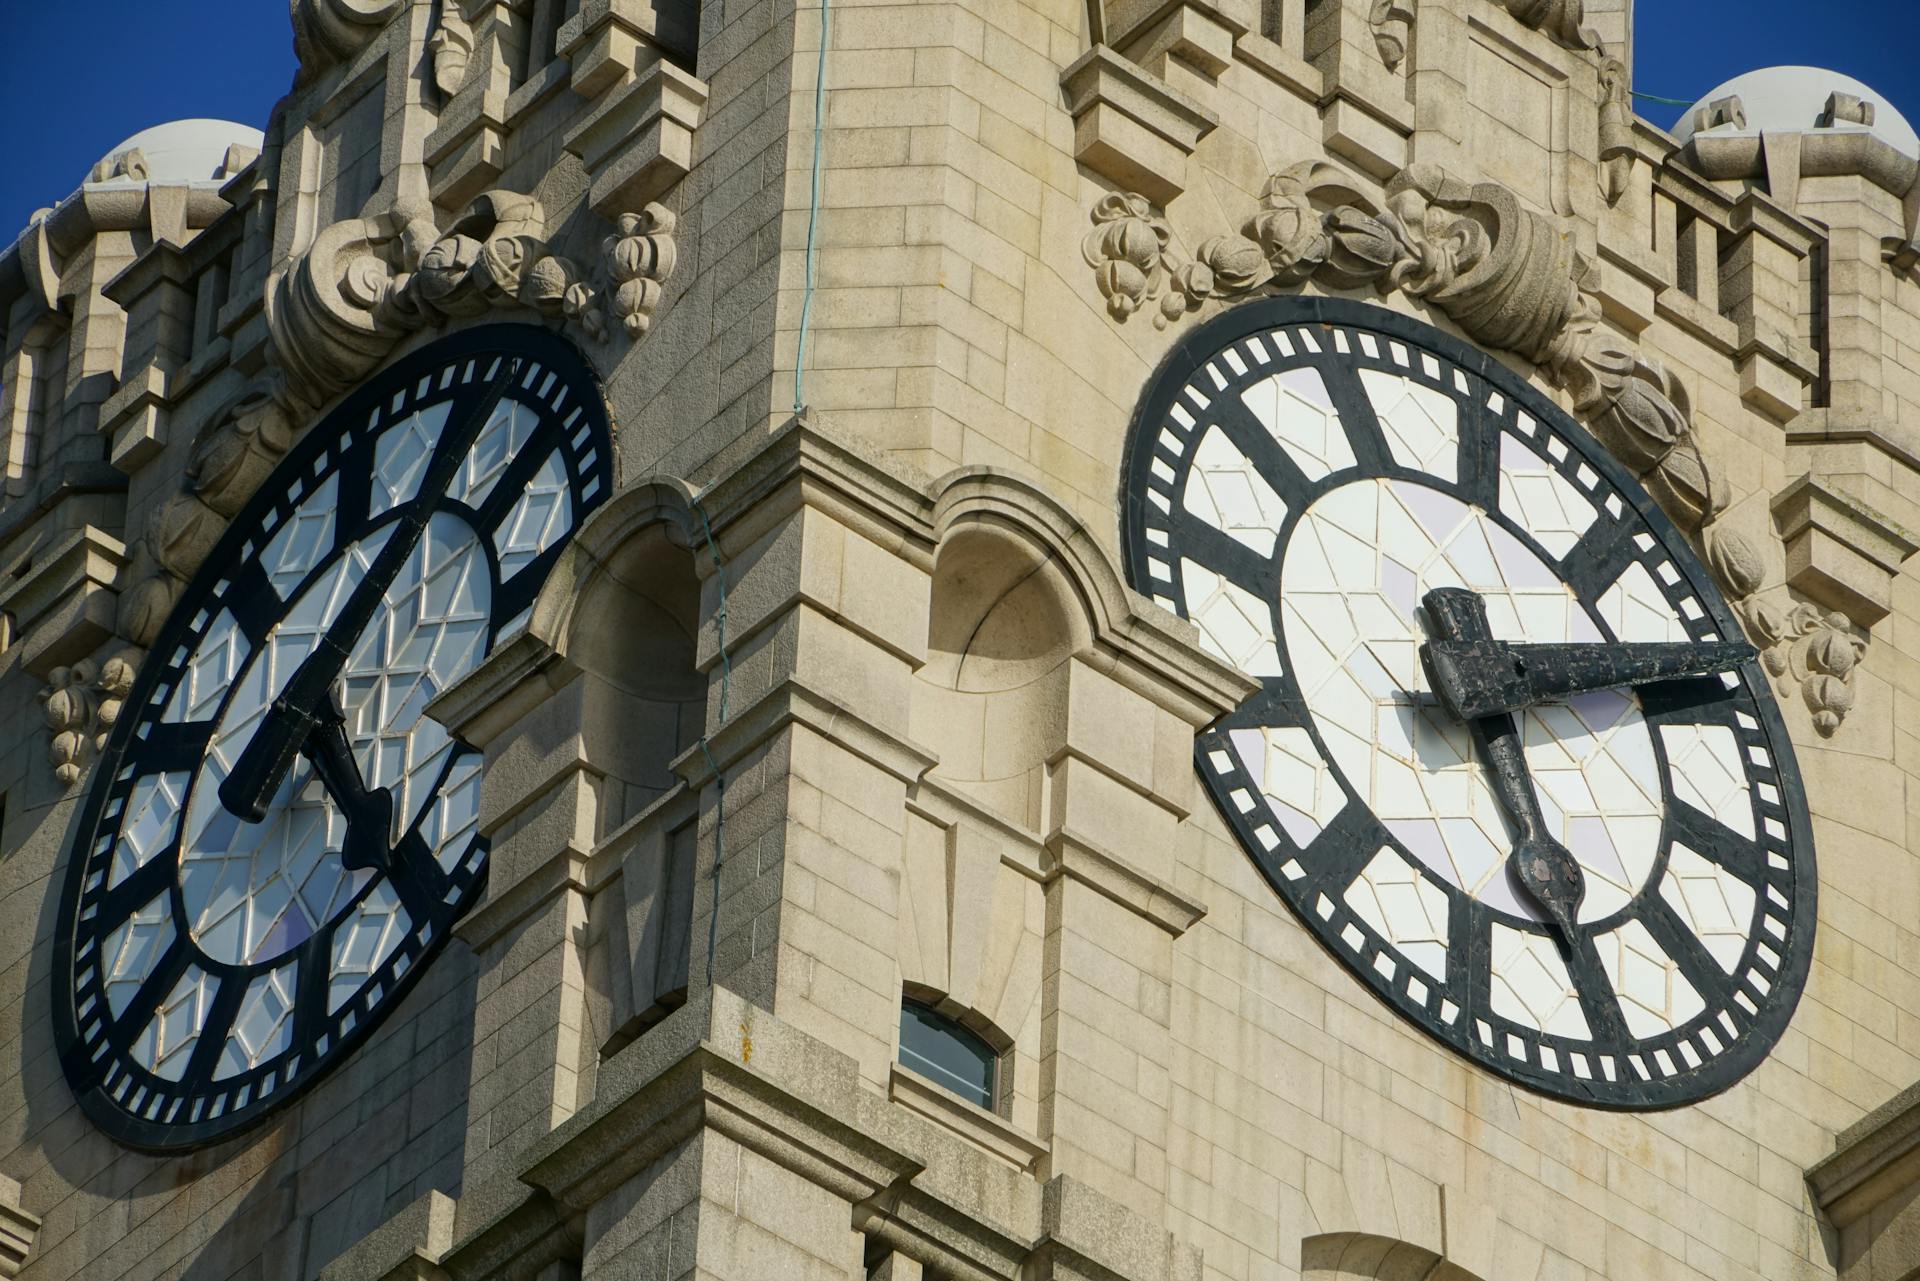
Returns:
(17,1230)
(1130,127)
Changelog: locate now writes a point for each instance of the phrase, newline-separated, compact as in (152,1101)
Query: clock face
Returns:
(1302,474)
(277,840)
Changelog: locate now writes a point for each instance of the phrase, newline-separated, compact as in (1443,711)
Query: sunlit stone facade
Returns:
(795,644)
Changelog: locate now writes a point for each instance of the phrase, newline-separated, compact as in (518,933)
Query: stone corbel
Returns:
(1392,23)
(63,608)
(1617,143)
(157,295)
(451,47)
(1902,255)
(1841,552)
(638,141)
(1130,127)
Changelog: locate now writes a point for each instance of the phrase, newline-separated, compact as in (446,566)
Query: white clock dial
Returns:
(231,929)
(1300,477)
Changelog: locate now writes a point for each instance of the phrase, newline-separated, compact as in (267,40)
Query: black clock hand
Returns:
(368,811)
(264,763)
(1482,677)
(1545,867)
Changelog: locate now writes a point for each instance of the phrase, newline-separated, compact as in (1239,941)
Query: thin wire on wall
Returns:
(706,748)
(813,212)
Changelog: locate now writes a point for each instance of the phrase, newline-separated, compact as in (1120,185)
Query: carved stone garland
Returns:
(335,312)
(82,702)
(1511,280)
(1392,22)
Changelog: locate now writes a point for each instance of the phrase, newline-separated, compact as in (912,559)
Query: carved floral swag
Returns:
(333,314)
(1511,280)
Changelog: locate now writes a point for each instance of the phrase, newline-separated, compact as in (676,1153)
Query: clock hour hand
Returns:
(264,762)
(368,811)
(1545,867)
(1482,676)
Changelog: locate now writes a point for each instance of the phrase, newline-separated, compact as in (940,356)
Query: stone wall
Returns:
(956,750)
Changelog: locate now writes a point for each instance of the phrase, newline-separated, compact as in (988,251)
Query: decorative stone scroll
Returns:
(451,47)
(330,31)
(1504,274)
(334,313)
(1392,23)
(1616,129)
(1560,19)
(82,702)
(130,164)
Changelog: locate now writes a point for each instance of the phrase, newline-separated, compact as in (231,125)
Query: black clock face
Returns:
(277,841)
(1302,474)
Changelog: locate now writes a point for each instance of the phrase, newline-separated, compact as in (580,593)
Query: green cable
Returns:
(1654,97)
(813,212)
(706,747)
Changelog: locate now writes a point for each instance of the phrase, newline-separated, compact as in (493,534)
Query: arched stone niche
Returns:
(1061,709)
(631,606)
(582,717)
(1363,1256)
(990,703)
(1004,622)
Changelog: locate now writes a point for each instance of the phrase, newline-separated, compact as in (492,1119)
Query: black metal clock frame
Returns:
(1747,1010)
(131,1104)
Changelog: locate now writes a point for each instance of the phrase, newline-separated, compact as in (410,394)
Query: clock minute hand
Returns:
(264,763)
(1481,676)
(1543,866)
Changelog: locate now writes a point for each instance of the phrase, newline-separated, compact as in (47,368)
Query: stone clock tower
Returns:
(1122,640)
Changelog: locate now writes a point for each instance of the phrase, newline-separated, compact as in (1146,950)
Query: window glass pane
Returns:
(946,1054)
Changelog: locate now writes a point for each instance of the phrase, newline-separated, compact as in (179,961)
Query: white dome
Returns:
(1792,99)
(181,151)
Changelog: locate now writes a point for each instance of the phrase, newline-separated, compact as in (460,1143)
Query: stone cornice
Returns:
(719,1064)
(1081,859)
(1875,1160)
(791,703)
(803,465)
(566,869)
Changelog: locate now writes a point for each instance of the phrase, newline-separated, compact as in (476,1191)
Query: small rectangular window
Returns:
(947,1054)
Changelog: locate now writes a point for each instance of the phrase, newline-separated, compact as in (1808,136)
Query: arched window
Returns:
(936,1047)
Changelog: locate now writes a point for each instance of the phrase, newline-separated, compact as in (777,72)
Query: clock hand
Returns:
(1545,867)
(1480,677)
(368,811)
(264,762)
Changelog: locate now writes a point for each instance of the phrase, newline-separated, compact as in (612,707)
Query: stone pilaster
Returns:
(825,604)
(1118,791)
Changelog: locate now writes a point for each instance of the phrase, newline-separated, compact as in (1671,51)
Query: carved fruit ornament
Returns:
(335,313)
(1512,281)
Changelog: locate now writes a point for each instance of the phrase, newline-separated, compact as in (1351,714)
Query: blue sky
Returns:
(167,59)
